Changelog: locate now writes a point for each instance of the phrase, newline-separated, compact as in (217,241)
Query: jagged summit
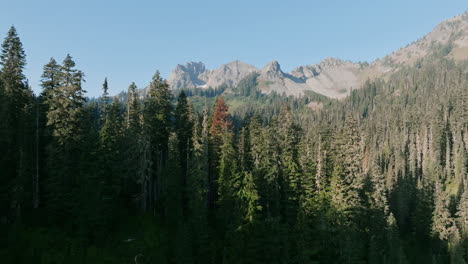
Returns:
(271,71)
(195,67)
(187,75)
(195,75)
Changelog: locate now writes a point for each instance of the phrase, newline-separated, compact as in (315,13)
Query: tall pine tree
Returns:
(157,126)
(16,131)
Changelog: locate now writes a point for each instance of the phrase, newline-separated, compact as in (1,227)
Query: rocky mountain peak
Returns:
(194,68)
(271,71)
(187,75)
(273,66)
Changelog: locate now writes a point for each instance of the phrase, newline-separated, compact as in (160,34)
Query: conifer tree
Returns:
(66,104)
(157,125)
(197,187)
(15,129)
(184,132)
(133,116)
(288,140)
(228,181)
(271,173)
(105,100)
(247,198)
(13,61)
(65,118)
(245,155)
(50,80)
(133,146)
(348,177)
(308,168)
(220,121)
(221,126)
(111,137)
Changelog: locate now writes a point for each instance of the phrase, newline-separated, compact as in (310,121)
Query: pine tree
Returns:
(50,79)
(271,173)
(134,149)
(111,137)
(105,100)
(15,129)
(348,177)
(66,105)
(133,117)
(65,118)
(227,181)
(184,131)
(256,146)
(220,121)
(13,61)
(288,141)
(197,188)
(221,125)
(228,175)
(247,199)
(308,167)
(245,155)
(157,125)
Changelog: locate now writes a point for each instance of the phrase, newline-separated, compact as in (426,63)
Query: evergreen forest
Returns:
(233,175)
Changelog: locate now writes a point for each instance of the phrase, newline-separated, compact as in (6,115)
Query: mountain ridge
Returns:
(332,77)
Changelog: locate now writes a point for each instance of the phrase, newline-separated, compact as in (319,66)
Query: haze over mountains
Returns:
(332,77)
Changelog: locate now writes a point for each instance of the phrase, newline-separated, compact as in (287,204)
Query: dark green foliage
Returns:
(16,131)
(157,116)
(105,100)
(66,104)
(378,177)
(184,131)
(133,116)
(12,60)
(66,119)
(347,178)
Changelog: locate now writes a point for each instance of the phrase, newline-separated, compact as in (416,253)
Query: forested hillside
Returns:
(231,175)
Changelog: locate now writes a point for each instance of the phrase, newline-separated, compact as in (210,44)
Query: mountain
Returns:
(195,75)
(187,75)
(332,77)
(449,38)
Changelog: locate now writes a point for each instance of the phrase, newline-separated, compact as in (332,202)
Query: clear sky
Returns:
(128,41)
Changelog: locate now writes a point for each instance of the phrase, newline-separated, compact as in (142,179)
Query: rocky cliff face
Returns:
(229,74)
(187,75)
(332,77)
(195,75)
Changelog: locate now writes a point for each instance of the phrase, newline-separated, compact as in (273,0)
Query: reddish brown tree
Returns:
(221,119)
(221,126)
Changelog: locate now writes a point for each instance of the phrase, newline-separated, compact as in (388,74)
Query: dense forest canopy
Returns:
(232,175)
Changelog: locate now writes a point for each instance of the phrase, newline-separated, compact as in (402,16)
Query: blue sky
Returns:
(128,41)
